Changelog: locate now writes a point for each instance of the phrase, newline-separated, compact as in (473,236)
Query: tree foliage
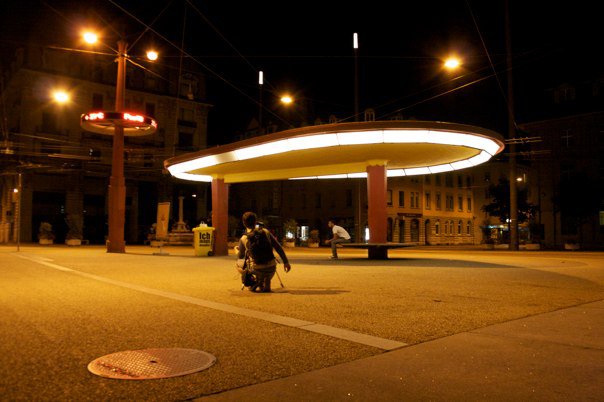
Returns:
(500,202)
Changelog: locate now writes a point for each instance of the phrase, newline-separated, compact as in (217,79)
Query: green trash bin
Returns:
(203,241)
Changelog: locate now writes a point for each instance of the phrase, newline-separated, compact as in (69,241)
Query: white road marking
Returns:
(340,333)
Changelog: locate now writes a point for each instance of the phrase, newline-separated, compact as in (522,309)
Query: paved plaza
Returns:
(430,323)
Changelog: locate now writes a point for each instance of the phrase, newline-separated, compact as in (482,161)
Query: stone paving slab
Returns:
(533,359)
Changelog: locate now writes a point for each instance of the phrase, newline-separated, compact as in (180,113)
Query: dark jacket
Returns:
(274,242)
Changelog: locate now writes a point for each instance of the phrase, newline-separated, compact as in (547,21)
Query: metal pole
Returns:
(18,214)
(355,46)
(117,186)
(260,83)
(511,135)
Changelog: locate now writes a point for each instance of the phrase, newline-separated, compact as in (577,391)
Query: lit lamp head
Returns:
(152,55)
(452,63)
(60,96)
(287,99)
(90,37)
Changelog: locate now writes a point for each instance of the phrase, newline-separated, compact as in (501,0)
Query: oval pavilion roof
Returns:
(343,150)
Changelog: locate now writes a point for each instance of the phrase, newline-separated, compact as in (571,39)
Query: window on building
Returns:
(427,179)
(567,139)
(438,201)
(449,180)
(437,180)
(460,203)
(459,181)
(148,160)
(186,114)
(446,227)
(332,202)
(469,203)
(188,86)
(401,199)
(187,90)
(348,198)
(449,202)
(94,153)
(150,109)
(49,122)
(468,228)
(428,199)
(185,139)
(97,101)
(414,199)
(151,82)
(469,181)
(389,197)
(437,227)
(459,227)
(564,93)
(369,115)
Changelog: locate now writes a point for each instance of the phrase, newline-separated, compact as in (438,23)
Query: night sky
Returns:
(306,48)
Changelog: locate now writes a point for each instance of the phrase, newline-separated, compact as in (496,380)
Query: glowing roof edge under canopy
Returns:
(342,150)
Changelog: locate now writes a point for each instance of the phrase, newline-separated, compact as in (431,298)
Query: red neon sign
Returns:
(134,117)
(95,116)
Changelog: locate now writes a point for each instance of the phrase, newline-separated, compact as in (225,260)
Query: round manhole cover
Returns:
(148,364)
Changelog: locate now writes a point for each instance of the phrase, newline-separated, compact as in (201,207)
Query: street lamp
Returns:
(152,55)
(60,96)
(355,47)
(120,121)
(452,63)
(287,99)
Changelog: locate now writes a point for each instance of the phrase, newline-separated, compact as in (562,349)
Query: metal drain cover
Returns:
(149,364)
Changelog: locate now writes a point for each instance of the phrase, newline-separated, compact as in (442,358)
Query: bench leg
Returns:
(377,253)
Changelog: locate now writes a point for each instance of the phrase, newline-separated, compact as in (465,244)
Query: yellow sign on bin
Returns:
(203,241)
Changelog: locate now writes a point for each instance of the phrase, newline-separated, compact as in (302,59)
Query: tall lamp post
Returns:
(260,84)
(116,123)
(355,47)
(117,183)
(511,134)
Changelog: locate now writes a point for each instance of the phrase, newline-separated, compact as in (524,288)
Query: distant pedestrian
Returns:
(256,248)
(340,235)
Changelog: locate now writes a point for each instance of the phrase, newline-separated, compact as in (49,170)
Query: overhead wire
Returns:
(196,60)
(240,55)
(488,55)
(183,52)
(152,22)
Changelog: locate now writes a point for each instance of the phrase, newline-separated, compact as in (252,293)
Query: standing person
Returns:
(257,245)
(340,235)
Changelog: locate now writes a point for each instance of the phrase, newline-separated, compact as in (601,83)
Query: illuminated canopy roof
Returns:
(343,150)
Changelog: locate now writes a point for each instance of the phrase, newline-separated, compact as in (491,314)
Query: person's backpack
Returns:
(259,246)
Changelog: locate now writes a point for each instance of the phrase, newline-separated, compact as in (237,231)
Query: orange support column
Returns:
(220,215)
(376,197)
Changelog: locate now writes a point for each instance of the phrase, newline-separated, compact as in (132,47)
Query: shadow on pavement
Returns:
(402,262)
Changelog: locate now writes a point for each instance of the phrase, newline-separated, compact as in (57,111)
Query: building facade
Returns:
(425,210)
(570,178)
(65,170)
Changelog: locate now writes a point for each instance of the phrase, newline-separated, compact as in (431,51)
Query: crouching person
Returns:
(256,248)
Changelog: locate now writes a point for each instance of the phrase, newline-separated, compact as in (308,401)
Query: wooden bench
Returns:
(377,251)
